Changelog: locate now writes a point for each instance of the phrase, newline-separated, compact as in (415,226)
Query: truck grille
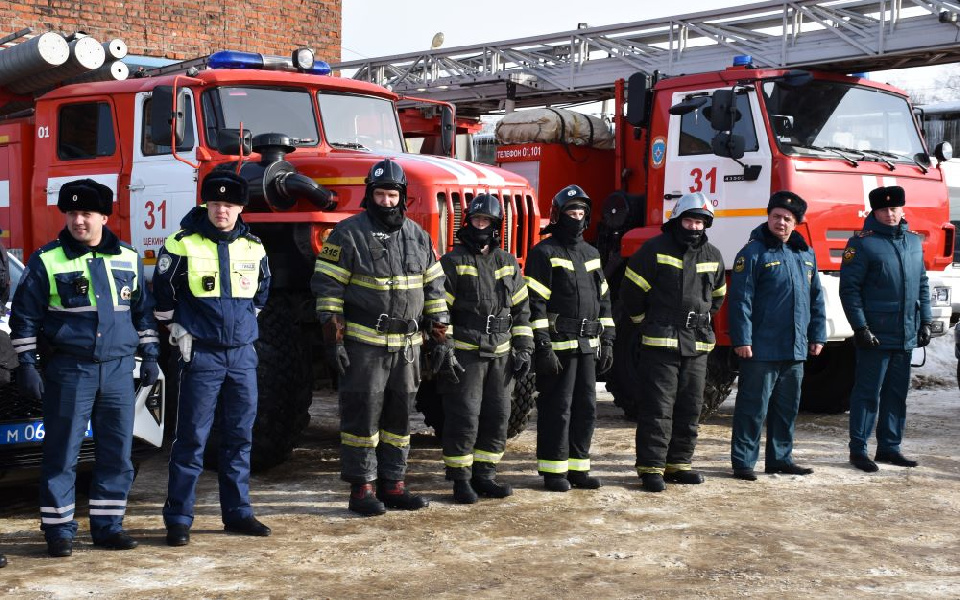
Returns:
(517,228)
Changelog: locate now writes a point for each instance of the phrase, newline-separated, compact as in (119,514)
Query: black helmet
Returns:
(487,206)
(569,197)
(386,175)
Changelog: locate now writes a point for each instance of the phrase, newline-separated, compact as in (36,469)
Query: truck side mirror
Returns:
(729,145)
(637,87)
(448,131)
(723,110)
(164,110)
(228,142)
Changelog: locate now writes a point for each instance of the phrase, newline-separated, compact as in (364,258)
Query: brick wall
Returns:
(180,29)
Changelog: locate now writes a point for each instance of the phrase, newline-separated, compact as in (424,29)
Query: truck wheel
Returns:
(430,403)
(721,373)
(828,380)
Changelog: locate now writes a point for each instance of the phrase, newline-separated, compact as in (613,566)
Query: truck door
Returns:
(691,166)
(162,188)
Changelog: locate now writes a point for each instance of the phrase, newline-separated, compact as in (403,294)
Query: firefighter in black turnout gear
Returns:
(572,328)
(490,331)
(379,288)
(672,287)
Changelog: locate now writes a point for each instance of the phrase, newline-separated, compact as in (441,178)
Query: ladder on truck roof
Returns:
(581,65)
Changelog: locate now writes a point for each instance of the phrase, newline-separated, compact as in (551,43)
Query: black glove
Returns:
(337,357)
(149,372)
(520,360)
(451,370)
(29,381)
(606,359)
(923,335)
(864,338)
(547,361)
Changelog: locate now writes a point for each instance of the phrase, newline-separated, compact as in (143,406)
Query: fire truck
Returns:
(302,138)
(735,103)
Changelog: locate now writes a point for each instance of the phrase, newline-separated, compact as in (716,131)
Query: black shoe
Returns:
(120,540)
(745,474)
(491,488)
(788,469)
(895,458)
(687,477)
(863,462)
(363,502)
(463,492)
(178,535)
(652,482)
(3,561)
(583,480)
(60,547)
(556,483)
(394,494)
(248,526)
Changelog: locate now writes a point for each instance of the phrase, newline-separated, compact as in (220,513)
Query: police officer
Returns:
(777,317)
(211,281)
(490,330)
(885,296)
(673,286)
(573,329)
(4,297)
(379,289)
(83,294)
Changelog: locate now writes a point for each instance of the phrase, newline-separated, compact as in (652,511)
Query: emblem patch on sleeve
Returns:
(330,252)
(739,264)
(849,253)
(164,263)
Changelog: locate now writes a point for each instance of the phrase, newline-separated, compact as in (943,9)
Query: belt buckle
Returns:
(383,318)
(691,320)
(412,326)
(490,318)
(583,327)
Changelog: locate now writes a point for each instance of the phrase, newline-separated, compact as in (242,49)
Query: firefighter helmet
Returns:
(487,206)
(694,205)
(387,175)
(569,197)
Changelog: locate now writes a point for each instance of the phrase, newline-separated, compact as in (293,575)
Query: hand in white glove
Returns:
(182,338)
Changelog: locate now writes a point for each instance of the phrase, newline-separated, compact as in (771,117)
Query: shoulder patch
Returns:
(739,265)
(164,263)
(916,233)
(330,252)
(865,233)
(849,253)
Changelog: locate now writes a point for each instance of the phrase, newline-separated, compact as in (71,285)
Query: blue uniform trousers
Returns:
(882,381)
(79,392)
(771,390)
(228,377)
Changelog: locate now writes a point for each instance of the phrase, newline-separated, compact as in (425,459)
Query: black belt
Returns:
(384,323)
(681,318)
(483,323)
(579,327)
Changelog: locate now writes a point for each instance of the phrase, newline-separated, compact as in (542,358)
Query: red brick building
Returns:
(180,29)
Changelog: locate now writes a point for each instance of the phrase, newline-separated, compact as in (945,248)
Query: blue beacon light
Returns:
(742,60)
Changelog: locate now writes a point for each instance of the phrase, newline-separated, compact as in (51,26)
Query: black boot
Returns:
(746,474)
(788,469)
(3,561)
(120,540)
(687,477)
(248,526)
(583,480)
(60,547)
(895,458)
(491,488)
(363,502)
(652,482)
(394,494)
(463,492)
(556,483)
(863,462)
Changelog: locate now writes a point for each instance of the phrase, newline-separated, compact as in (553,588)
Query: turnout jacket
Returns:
(487,296)
(883,283)
(212,283)
(372,276)
(670,289)
(776,303)
(566,283)
(83,301)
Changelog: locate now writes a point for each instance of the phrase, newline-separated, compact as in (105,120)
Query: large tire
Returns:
(828,380)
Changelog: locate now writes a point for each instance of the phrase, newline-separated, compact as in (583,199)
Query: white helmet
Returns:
(694,205)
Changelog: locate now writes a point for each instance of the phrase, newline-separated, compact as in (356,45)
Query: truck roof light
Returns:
(301,60)
(861,75)
(231,59)
(319,68)
(743,60)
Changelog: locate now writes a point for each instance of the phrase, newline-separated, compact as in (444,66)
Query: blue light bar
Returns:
(231,59)
(319,68)
(861,75)
(742,60)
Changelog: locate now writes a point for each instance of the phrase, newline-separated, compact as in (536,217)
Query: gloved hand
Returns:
(181,338)
(520,361)
(547,361)
(149,371)
(606,359)
(923,335)
(29,381)
(864,338)
(337,357)
(452,370)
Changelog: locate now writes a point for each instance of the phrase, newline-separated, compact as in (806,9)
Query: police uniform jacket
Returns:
(776,303)
(568,291)
(672,291)
(87,302)
(212,283)
(381,282)
(487,296)
(883,283)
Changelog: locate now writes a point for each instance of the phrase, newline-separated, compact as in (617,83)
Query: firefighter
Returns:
(379,290)
(83,296)
(885,296)
(573,330)
(777,317)
(212,279)
(490,331)
(673,286)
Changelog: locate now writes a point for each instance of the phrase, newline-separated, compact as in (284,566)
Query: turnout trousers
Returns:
(80,392)
(669,409)
(566,415)
(476,414)
(881,384)
(214,376)
(376,397)
(771,390)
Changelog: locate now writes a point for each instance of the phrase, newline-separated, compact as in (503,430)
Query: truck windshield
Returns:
(829,119)
(262,110)
(360,122)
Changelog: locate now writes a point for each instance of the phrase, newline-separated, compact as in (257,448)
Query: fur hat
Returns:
(224,186)
(85,195)
(788,201)
(887,197)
